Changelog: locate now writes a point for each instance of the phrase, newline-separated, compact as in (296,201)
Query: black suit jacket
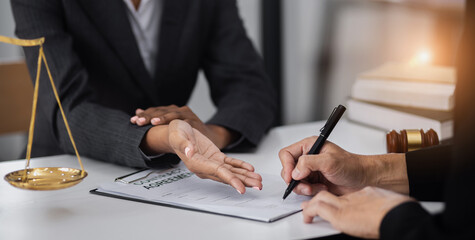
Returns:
(444,173)
(102,79)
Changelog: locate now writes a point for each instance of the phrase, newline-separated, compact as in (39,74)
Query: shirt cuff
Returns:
(149,158)
(163,160)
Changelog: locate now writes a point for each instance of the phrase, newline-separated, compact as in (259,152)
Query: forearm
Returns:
(156,141)
(244,95)
(388,171)
(221,136)
(103,134)
(100,131)
(418,173)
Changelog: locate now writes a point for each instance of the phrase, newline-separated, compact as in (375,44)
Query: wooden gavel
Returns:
(410,140)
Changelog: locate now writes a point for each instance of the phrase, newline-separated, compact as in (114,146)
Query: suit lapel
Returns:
(110,17)
(173,15)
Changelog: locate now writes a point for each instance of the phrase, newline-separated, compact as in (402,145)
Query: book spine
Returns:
(388,119)
(432,96)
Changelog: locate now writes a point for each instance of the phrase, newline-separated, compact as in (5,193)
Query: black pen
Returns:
(324,133)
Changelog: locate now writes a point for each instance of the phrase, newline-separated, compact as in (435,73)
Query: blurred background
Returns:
(313,49)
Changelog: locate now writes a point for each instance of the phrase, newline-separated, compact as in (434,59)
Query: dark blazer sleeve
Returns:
(241,90)
(99,132)
(427,172)
(409,220)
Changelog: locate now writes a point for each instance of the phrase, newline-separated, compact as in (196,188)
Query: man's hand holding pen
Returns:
(325,132)
(351,190)
(333,169)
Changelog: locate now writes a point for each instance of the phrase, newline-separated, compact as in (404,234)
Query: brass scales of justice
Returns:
(45,178)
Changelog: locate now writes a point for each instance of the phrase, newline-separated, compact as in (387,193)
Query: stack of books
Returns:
(402,96)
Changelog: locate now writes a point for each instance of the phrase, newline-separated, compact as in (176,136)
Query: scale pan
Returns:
(47,178)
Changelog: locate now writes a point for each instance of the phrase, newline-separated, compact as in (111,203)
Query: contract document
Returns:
(181,188)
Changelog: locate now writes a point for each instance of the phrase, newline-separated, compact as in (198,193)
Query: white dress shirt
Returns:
(145,23)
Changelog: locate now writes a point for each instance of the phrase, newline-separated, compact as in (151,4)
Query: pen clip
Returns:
(331,115)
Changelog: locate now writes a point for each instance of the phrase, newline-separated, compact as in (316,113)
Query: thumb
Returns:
(139,110)
(182,146)
(182,138)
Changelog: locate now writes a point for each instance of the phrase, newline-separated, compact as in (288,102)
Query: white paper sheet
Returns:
(179,187)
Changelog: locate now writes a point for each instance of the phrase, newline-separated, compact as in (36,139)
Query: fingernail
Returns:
(141,120)
(306,191)
(295,173)
(257,188)
(187,150)
(239,191)
(155,120)
(134,118)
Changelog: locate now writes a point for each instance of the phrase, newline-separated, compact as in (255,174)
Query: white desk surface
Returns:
(74,213)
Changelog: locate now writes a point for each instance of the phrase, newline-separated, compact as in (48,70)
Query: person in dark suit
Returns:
(375,196)
(125,70)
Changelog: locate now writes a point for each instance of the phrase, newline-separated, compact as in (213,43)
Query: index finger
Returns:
(218,171)
(226,176)
(182,113)
(324,204)
(289,155)
(239,163)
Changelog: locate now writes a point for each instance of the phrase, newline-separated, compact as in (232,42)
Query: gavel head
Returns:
(410,140)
